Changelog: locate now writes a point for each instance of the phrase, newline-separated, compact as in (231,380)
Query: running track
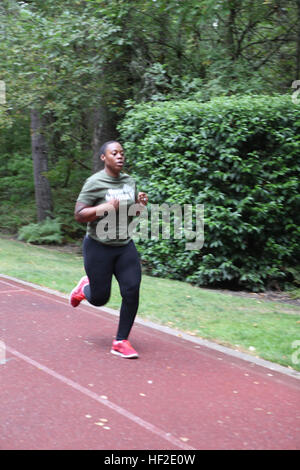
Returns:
(62,389)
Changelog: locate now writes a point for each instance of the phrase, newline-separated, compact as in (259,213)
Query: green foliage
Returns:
(13,216)
(46,232)
(240,158)
(64,203)
(16,177)
(70,59)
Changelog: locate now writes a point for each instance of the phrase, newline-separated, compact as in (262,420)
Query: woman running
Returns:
(102,203)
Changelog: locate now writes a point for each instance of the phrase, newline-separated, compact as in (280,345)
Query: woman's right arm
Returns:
(84,213)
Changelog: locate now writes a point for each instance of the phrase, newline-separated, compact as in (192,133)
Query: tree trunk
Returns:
(230,34)
(104,129)
(40,167)
(298,43)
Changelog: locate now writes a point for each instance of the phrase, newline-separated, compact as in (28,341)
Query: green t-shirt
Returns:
(110,229)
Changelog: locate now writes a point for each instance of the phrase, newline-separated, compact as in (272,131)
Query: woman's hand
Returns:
(114,203)
(142,199)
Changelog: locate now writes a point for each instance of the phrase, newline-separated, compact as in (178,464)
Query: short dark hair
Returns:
(105,145)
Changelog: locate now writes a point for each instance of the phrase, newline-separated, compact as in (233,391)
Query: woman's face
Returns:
(114,158)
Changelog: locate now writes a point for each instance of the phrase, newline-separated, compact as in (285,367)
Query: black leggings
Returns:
(101,262)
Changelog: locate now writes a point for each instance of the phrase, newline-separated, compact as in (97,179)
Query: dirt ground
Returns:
(270,295)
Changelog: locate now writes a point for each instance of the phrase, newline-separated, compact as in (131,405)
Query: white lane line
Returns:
(12,290)
(118,409)
(66,304)
(9,283)
(164,329)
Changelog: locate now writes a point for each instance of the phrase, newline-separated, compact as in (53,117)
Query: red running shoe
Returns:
(77,294)
(124,349)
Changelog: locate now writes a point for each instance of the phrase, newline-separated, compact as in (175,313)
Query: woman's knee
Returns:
(98,301)
(98,297)
(130,292)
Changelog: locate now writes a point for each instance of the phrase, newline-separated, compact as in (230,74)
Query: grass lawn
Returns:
(270,328)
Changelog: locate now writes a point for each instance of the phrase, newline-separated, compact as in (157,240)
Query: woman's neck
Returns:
(111,173)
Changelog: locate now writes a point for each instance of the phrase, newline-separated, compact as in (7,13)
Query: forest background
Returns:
(210,87)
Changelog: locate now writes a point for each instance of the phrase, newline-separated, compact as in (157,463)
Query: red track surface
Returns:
(62,389)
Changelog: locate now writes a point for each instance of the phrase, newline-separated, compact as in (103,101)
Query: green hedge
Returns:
(239,157)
